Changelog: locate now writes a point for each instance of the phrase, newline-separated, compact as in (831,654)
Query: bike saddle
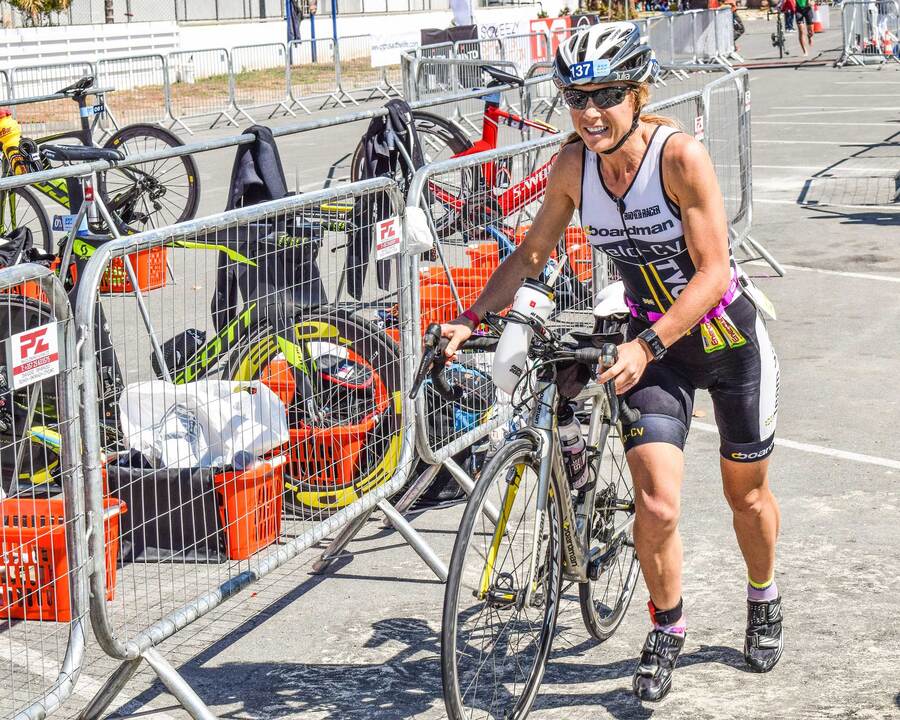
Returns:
(79,87)
(502,77)
(79,153)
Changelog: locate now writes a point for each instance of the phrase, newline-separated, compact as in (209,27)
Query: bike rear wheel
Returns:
(605,600)
(20,207)
(345,435)
(151,194)
(494,640)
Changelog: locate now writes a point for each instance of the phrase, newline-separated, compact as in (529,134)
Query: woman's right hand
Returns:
(458,331)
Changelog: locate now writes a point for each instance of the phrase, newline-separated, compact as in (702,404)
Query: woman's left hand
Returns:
(633,360)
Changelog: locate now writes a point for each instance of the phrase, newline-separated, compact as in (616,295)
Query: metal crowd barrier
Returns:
(45,80)
(142,88)
(871,32)
(43,549)
(197,537)
(311,73)
(215,98)
(359,76)
(254,87)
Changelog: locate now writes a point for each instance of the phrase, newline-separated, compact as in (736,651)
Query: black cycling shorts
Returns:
(805,15)
(741,377)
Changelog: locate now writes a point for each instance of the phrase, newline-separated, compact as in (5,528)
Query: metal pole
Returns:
(334,11)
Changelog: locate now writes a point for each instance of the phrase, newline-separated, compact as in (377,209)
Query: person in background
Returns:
(804,16)
(788,8)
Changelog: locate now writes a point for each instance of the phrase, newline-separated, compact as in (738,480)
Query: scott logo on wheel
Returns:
(387,238)
(33,355)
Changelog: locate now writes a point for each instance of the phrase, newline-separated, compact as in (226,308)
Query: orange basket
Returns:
(578,250)
(34,568)
(250,506)
(149,269)
(328,457)
(484,255)
(463,277)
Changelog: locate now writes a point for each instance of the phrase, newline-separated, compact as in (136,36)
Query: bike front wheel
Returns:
(151,194)
(498,628)
(605,600)
(20,208)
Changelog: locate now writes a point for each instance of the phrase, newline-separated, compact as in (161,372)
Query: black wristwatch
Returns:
(652,341)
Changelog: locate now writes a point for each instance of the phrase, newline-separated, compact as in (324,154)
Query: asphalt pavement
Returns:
(364,641)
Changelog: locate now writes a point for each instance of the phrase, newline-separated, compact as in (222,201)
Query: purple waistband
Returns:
(730,294)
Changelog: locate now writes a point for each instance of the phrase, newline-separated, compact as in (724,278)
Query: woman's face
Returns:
(601,129)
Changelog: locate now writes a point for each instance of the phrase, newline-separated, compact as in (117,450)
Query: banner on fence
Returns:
(387,49)
(552,27)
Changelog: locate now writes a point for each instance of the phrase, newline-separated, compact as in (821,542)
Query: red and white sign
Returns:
(698,128)
(33,355)
(556,29)
(387,238)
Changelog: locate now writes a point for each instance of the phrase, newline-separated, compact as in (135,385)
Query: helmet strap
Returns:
(634,125)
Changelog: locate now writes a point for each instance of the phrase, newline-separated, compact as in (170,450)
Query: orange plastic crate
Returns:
(463,277)
(328,457)
(149,268)
(34,569)
(250,506)
(578,250)
(484,255)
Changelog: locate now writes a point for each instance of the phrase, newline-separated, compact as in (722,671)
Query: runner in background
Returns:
(805,21)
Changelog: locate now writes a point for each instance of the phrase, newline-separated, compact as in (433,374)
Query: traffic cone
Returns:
(817,24)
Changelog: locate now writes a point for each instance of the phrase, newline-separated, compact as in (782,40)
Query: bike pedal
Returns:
(500,598)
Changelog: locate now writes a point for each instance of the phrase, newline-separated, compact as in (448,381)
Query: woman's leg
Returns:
(657,470)
(755,514)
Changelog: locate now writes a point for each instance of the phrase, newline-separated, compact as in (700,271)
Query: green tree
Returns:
(38,11)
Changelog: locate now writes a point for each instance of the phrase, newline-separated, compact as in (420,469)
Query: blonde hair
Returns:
(641,95)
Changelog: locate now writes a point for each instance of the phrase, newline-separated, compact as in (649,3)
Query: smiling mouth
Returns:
(597,131)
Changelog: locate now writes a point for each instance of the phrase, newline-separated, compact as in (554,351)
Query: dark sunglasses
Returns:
(602,98)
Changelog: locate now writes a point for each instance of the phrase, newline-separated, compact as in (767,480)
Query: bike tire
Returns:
(475,529)
(334,486)
(617,582)
(20,207)
(175,180)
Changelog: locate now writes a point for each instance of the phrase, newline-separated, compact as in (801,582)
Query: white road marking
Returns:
(839,273)
(868,82)
(818,449)
(819,124)
(842,172)
(886,208)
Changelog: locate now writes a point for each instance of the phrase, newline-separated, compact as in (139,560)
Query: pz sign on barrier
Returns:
(387,238)
(33,355)
(698,128)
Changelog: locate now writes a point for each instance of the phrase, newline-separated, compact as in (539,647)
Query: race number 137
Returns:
(33,355)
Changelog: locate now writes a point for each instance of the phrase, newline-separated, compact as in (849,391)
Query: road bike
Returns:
(142,196)
(525,533)
(338,374)
(778,37)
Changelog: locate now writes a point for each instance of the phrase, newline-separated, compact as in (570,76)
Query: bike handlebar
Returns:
(434,361)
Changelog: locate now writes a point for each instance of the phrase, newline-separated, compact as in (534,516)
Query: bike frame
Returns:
(543,431)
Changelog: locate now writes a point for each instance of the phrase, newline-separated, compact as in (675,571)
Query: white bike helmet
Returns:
(604,52)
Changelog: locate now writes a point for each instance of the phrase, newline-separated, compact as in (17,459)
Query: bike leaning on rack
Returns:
(139,197)
(525,532)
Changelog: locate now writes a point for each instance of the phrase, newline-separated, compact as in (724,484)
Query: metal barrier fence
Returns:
(359,76)
(311,73)
(27,82)
(871,32)
(201,85)
(309,343)
(43,550)
(141,86)
(260,78)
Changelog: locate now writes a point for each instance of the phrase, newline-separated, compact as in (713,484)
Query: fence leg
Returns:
(341,540)
(414,492)
(112,687)
(765,255)
(467,484)
(415,540)
(178,687)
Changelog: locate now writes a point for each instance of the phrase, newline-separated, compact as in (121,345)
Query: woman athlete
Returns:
(648,198)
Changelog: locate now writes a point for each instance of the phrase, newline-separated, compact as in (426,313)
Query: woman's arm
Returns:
(690,181)
(529,258)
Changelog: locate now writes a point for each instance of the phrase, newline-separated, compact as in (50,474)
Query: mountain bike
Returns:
(338,375)
(140,197)
(524,532)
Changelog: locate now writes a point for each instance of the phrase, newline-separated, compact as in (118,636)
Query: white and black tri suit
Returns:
(727,353)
